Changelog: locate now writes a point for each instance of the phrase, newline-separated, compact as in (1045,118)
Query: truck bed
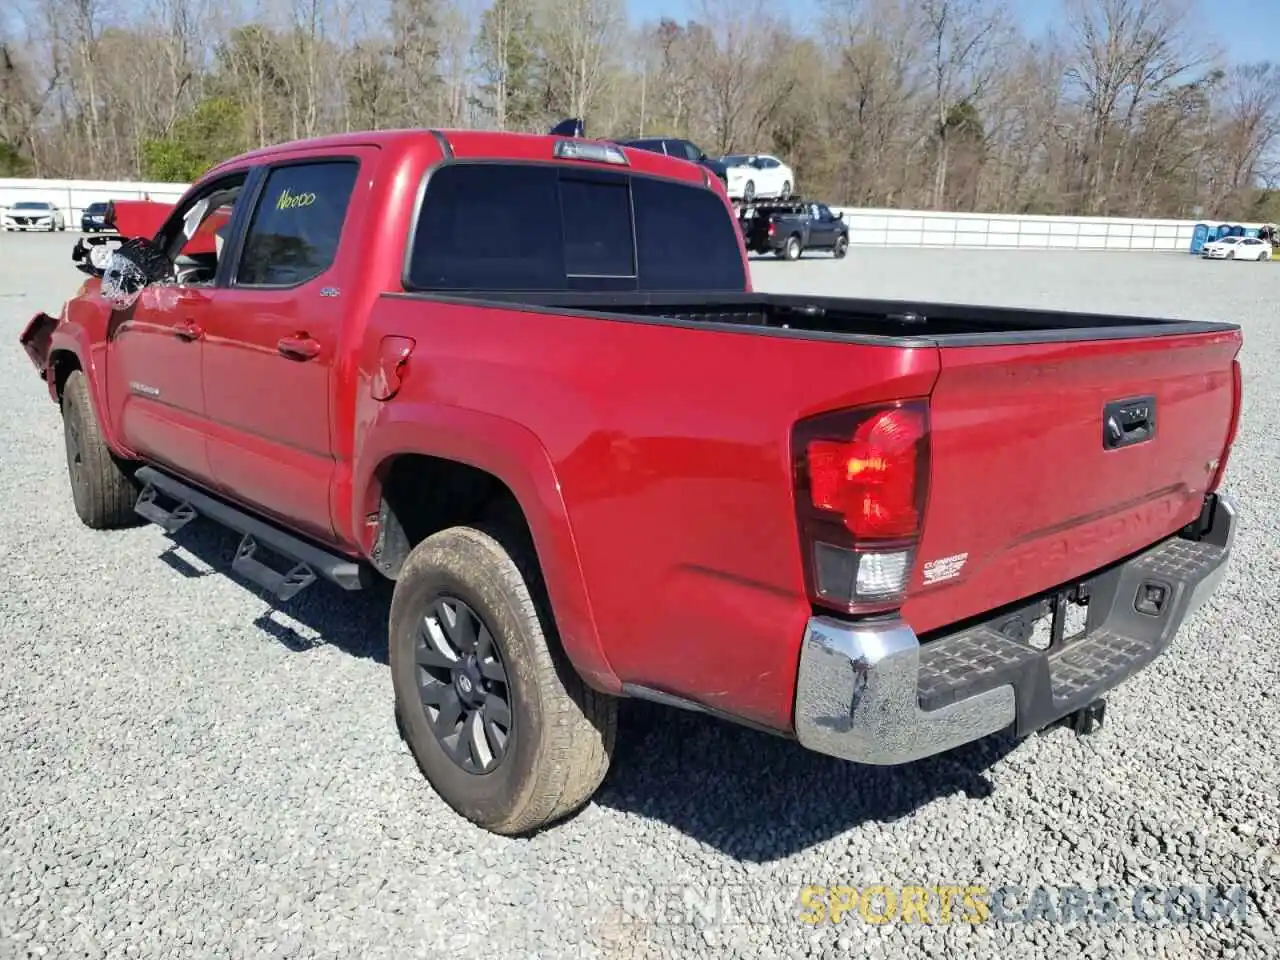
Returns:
(878,322)
(673,446)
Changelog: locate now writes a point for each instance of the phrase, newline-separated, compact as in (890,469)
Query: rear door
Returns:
(1050,460)
(270,351)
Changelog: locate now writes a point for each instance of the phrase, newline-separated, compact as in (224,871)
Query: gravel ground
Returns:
(186,771)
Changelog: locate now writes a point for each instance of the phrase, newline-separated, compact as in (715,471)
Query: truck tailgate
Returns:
(1041,469)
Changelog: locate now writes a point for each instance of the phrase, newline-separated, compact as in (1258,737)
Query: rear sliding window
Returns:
(499,226)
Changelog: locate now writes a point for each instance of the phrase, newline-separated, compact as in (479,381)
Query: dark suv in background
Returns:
(676,147)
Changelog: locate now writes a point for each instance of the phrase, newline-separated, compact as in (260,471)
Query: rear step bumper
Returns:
(870,692)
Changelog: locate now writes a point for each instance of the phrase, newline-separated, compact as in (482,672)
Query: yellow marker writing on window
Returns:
(291,201)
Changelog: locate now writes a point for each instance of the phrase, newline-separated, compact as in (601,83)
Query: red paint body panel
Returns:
(677,487)
(139,218)
(652,461)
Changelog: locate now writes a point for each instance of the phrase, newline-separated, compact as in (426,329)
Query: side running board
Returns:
(257,537)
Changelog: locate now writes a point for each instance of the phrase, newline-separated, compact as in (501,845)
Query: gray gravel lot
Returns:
(186,771)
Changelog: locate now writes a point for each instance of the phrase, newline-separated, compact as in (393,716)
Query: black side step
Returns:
(257,536)
(170,520)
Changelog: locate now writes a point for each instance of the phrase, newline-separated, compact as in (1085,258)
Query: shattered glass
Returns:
(130,268)
(122,281)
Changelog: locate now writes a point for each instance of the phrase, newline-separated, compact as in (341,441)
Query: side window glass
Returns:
(297,224)
(489,226)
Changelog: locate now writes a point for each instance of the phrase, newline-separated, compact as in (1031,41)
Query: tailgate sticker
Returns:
(944,568)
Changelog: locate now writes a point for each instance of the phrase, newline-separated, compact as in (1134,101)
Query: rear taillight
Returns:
(773,228)
(861,479)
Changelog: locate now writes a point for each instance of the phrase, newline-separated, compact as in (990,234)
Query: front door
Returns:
(271,347)
(155,380)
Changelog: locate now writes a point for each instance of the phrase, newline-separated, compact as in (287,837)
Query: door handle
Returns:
(298,348)
(190,330)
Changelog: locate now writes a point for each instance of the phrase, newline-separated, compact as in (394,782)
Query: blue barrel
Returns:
(1199,237)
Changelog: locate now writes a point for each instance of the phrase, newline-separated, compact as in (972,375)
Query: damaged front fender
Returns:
(37,341)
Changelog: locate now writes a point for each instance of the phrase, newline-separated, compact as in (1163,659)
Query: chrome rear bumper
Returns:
(869,692)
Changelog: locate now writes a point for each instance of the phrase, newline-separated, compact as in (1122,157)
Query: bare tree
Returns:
(579,39)
(1125,55)
(965,40)
(1121,107)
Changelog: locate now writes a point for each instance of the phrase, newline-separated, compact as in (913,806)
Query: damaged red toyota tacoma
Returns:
(527,379)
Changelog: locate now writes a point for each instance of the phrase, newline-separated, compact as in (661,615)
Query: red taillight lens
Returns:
(870,480)
(861,484)
(773,228)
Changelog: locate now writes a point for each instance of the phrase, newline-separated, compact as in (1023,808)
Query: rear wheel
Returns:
(786,190)
(499,723)
(749,191)
(792,250)
(102,487)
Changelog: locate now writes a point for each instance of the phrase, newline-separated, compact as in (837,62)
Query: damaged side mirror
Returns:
(128,269)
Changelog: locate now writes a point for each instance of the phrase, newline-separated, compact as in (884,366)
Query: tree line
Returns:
(1119,107)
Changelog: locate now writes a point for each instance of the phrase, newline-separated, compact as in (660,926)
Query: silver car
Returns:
(33,215)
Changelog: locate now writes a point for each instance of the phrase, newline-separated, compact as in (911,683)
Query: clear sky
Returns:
(1247,30)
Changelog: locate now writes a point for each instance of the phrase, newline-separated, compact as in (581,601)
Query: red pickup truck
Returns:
(527,379)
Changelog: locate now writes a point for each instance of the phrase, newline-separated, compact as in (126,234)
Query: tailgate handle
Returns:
(1126,422)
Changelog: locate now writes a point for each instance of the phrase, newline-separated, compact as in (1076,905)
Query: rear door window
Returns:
(526,227)
(293,236)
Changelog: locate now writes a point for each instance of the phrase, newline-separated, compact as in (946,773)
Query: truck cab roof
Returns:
(476,145)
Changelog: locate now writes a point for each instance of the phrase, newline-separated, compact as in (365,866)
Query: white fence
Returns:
(867,227)
(72,196)
(928,228)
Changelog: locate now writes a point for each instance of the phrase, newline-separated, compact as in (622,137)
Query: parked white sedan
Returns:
(752,176)
(1236,248)
(33,215)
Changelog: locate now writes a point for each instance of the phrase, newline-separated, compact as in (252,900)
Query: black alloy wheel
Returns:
(462,683)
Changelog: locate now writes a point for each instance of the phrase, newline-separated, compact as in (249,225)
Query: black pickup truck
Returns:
(789,227)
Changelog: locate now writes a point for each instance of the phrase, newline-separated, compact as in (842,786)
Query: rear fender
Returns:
(513,454)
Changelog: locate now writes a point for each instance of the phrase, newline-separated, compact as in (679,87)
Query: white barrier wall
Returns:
(72,196)
(929,228)
(867,227)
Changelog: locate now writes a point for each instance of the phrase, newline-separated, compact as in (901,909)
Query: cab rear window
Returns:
(530,227)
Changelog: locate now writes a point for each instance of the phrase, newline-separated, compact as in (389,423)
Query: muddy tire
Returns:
(102,487)
(498,721)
